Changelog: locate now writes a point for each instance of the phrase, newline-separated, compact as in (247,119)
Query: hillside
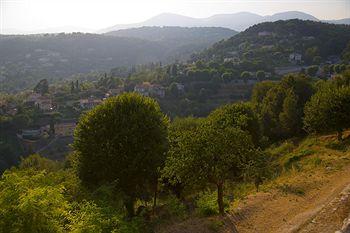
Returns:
(236,21)
(179,42)
(311,194)
(273,42)
(26,59)
(180,35)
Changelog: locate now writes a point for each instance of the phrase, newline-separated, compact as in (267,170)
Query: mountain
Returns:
(339,21)
(269,44)
(237,21)
(27,58)
(183,35)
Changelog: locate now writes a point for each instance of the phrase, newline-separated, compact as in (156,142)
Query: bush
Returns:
(207,203)
(175,207)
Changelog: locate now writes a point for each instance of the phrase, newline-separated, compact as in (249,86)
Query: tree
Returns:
(289,117)
(245,75)
(211,155)
(260,75)
(42,87)
(312,70)
(178,130)
(127,137)
(259,92)
(328,110)
(316,60)
(240,115)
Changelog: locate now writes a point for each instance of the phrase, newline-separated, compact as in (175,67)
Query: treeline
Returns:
(129,158)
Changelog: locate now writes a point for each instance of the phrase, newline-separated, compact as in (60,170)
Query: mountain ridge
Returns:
(235,21)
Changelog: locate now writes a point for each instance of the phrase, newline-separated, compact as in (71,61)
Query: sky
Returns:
(27,15)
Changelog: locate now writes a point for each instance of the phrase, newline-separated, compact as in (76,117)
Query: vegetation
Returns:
(125,135)
(137,163)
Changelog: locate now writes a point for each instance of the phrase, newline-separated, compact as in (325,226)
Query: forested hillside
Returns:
(273,42)
(27,59)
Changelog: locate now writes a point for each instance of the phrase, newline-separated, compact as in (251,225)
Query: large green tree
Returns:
(240,115)
(328,110)
(122,142)
(211,155)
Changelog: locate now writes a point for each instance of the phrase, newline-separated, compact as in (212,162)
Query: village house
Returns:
(31,134)
(37,100)
(180,87)
(148,89)
(157,90)
(89,103)
(143,89)
(288,69)
(65,127)
(114,92)
(44,103)
(295,57)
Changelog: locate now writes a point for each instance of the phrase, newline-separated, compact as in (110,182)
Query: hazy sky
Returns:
(96,14)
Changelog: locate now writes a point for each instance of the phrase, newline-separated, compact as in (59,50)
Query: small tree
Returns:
(328,110)
(239,115)
(42,87)
(312,70)
(212,155)
(122,142)
(245,75)
(290,116)
(260,75)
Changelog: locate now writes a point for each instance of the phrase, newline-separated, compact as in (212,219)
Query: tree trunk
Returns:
(220,186)
(155,198)
(340,135)
(129,204)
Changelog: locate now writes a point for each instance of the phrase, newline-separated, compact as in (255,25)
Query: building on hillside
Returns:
(180,87)
(143,89)
(65,127)
(287,70)
(89,103)
(158,90)
(114,92)
(333,59)
(44,103)
(31,134)
(295,57)
(148,89)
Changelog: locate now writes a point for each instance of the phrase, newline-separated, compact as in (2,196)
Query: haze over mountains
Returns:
(237,21)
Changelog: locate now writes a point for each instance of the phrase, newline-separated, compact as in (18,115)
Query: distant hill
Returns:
(272,42)
(339,21)
(26,59)
(184,34)
(237,21)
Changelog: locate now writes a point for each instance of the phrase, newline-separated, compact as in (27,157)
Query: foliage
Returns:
(207,203)
(126,135)
(240,115)
(328,110)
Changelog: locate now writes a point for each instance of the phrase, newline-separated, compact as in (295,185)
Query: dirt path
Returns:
(322,209)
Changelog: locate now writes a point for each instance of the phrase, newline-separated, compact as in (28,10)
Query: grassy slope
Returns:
(312,173)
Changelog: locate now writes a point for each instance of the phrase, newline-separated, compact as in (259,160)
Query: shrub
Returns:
(207,203)
(176,207)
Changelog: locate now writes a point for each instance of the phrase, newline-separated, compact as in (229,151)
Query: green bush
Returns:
(176,207)
(207,203)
